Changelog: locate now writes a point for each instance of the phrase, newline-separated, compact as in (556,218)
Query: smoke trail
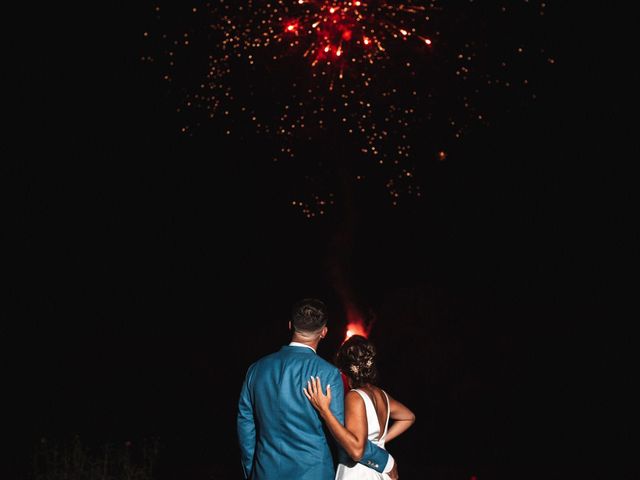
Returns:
(338,260)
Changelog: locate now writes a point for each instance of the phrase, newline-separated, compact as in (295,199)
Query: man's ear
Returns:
(324,331)
(289,324)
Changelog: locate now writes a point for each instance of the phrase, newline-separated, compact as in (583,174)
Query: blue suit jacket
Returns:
(281,435)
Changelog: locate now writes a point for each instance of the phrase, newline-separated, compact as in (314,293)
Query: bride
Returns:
(368,409)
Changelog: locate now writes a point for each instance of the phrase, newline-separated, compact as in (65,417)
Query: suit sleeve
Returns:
(246,426)
(373,457)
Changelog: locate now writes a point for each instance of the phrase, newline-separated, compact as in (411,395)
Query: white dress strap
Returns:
(361,393)
(386,425)
(367,401)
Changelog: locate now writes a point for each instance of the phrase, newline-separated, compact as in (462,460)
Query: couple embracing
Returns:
(290,398)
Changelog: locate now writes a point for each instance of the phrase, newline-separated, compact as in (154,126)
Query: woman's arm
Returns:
(402,418)
(352,437)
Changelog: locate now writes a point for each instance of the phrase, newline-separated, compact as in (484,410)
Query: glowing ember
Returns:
(355,329)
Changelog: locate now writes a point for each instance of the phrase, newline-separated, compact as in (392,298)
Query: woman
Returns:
(368,408)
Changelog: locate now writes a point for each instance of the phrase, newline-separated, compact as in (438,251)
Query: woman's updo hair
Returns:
(357,360)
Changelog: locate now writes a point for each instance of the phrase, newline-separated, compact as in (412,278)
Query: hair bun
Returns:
(356,359)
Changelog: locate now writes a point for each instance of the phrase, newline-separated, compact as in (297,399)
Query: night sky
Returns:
(148,268)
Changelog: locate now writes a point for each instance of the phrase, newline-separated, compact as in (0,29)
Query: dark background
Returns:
(147,271)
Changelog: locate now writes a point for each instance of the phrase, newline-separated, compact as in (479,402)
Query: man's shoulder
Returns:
(325,365)
(284,355)
(266,359)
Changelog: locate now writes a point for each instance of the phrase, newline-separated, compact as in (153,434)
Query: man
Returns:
(281,436)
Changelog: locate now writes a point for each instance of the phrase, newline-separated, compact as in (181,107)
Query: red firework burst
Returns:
(350,32)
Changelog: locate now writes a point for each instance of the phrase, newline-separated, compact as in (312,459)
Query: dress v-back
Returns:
(357,471)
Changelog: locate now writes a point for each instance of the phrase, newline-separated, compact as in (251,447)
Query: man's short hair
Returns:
(309,315)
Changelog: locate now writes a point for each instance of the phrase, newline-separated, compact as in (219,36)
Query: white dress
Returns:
(358,471)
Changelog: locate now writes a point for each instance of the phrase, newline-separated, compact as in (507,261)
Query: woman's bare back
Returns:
(379,400)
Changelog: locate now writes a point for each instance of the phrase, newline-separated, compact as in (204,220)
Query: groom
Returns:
(281,436)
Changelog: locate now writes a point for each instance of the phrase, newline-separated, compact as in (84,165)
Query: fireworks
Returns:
(370,88)
(348,33)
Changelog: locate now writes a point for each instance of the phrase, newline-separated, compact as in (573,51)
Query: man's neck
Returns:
(306,341)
